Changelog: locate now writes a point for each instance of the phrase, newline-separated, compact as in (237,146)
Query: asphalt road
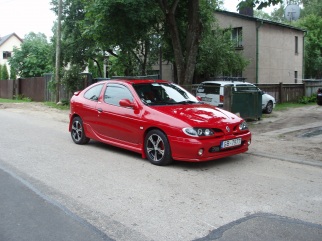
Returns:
(51,187)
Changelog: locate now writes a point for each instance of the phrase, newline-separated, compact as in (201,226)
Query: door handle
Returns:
(99,110)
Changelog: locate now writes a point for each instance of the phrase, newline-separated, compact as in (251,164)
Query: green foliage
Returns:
(63,106)
(307,99)
(132,33)
(217,55)
(311,7)
(72,80)
(259,4)
(13,74)
(32,59)
(14,100)
(4,72)
(313,45)
(22,98)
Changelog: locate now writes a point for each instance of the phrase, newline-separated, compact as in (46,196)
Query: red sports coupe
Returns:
(156,118)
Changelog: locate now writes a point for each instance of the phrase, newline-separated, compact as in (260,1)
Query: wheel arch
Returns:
(72,116)
(145,134)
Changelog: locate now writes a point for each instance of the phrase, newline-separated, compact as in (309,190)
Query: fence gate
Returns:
(247,102)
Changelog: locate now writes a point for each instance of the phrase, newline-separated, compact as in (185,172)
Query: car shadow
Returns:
(216,163)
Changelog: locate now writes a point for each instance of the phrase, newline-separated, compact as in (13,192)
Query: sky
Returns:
(230,5)
(23,16)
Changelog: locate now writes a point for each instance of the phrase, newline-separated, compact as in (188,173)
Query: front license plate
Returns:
(231,143)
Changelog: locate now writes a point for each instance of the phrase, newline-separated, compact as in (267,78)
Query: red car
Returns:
(156,118)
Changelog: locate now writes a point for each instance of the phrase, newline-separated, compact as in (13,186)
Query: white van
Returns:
(212,92)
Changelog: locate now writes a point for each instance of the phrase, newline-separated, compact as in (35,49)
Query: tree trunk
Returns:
(185,61)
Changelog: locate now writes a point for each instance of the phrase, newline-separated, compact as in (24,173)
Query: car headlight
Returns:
(198,131)
(243,126)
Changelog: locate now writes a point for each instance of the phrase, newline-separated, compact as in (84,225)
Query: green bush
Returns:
(307,99)
(4,72)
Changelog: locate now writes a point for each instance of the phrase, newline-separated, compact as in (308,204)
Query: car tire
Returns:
(319,102)
(157,148)
(77,131)
(269,107)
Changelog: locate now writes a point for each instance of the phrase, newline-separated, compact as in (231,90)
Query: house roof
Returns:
(251,18)
(5,38)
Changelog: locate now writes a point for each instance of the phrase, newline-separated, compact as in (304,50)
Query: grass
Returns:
(13,101)
(285,106)
(54,105)
(49,104)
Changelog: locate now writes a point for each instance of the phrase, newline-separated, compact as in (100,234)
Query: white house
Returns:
(7,44)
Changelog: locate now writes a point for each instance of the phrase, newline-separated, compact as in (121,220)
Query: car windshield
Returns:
(163,94)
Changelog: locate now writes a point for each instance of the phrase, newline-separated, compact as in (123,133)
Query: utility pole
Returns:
(58,50)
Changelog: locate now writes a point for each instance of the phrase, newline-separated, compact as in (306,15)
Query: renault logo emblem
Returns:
(228,129)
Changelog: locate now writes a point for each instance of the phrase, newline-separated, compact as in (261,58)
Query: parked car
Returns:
(158,119)
(319,96)
(212,92)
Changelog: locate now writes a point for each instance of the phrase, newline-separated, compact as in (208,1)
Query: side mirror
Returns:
(127,103)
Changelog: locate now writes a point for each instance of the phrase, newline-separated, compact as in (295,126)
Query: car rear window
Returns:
(209,88)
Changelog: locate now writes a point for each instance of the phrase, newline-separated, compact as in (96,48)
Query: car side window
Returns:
(93,93)
(116,92)
(246,87)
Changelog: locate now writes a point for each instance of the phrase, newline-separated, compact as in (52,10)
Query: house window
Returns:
(296,44)
(237,37)
(295,77)
(6,54)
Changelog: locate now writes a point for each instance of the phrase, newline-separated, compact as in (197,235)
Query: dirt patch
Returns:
(37,108)
(295,133)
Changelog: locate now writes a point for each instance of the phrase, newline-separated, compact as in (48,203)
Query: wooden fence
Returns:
(37,89)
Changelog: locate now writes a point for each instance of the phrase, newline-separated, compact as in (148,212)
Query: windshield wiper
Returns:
(186,102)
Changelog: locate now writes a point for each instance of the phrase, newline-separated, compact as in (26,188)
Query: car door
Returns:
(87,109)
(115,122)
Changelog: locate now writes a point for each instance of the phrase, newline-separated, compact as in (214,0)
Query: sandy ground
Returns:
(292,134)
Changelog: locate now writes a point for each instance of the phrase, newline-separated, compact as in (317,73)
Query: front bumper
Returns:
(188,149)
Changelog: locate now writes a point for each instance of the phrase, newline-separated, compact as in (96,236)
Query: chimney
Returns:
(246,10)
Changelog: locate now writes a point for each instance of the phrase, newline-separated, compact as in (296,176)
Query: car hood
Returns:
(198,114)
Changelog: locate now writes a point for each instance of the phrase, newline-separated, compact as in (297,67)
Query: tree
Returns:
(313,45)
(13,74)
(33,57)
(217,55)
(4,72)
(259,4)
(135,29)
(125,29)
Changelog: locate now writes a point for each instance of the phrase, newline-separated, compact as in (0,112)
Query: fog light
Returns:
(200,152)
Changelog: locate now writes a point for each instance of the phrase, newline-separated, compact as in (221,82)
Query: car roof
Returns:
(224,82)
(134,81)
